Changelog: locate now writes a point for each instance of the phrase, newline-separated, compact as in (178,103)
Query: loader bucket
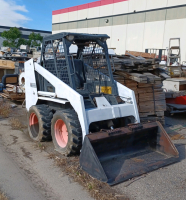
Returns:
(114,156)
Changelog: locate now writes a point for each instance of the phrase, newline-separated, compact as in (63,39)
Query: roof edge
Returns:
(86,6)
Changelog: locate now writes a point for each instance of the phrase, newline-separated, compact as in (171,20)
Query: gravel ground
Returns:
(166,183)
(26,172)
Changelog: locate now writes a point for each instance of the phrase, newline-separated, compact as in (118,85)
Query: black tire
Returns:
(74,132)
(39,127)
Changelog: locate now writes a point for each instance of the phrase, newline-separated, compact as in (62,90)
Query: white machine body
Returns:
(64,93)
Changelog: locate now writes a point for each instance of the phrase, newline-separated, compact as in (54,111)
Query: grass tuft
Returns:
(5,109)
(16,124)
(3,196)
(40,146)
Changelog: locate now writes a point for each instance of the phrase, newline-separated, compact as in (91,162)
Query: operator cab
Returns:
(82,62)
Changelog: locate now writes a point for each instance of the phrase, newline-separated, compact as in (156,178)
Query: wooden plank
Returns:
(5,95)
(138,77)
(151,78)
(6,92)
(13,96)
(152,114)
(17,96)
(133,76)
(149,90)
(151,106)
(151,96)
(7,64)
(152,119)
(142,85)
(150,74)
(142,54)
(10,85)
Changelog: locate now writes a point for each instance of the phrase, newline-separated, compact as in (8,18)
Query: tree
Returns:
(12,38)
(22,41)
(35,39)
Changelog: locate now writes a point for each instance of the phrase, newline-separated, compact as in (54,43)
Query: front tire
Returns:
(39,126)
(66,132)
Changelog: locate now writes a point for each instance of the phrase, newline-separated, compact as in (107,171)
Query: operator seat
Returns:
(63,73)
(79,73)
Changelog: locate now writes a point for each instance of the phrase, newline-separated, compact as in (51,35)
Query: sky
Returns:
(33,14)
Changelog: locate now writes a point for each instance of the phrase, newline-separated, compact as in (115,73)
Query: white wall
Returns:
(118,40)
(135,36)
(115,9)
(120,8)
(153,35)
(151,4)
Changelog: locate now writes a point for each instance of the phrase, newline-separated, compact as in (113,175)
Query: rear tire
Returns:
(66,132)
(39,126)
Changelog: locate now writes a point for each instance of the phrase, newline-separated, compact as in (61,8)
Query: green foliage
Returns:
(13,38)
(35,39)
(22,41)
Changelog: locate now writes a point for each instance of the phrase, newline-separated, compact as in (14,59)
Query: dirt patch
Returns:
(26,154)
(97,189)
(15,138)
(3,196)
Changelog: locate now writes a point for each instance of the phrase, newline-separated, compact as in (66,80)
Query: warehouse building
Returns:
(25,32)
(131,24)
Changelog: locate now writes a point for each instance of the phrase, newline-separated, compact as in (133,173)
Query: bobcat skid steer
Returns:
(72,98)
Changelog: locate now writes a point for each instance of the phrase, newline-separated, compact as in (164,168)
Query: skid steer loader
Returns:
(72,98)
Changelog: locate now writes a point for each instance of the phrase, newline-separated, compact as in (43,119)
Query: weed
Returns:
(3,197)
(16,124)
(40,146)
(5,109)
(90,187)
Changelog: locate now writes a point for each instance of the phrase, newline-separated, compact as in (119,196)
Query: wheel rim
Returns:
(34,124)
(61,133)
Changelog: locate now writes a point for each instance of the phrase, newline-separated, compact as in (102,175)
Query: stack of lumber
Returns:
(135,61)
(149,94)
(15,93)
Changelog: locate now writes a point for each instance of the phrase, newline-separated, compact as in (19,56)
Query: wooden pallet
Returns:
(6,96)
(153,119)
(150,98)
(152,106)
(13,96)
(152,114)
(157,96)
(141,54)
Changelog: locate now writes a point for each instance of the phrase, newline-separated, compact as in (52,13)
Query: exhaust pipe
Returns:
(114,156)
